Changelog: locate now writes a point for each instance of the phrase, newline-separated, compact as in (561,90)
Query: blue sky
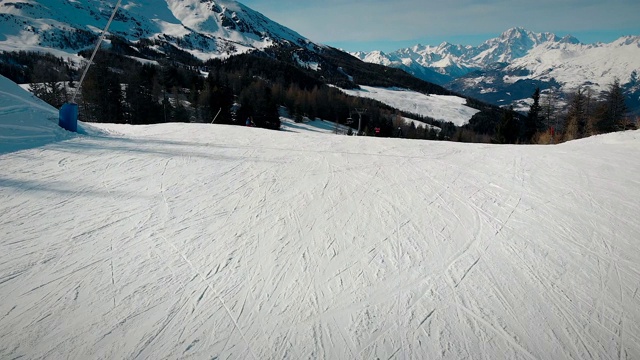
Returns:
(392,24)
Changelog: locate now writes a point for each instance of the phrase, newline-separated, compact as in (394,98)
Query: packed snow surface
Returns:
(439,107)
(211,241)
(317,126)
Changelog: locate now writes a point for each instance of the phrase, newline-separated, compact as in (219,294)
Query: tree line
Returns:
(120,89)
(554,118)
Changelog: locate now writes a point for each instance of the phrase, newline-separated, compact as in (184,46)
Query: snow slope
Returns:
(317,125)
(25,120)
(211,241)
(439,107)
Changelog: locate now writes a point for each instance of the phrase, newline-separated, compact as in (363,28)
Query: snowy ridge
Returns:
(205,28)
(457,60)
(204,241)
(540,58)
(574,65)
(513,44)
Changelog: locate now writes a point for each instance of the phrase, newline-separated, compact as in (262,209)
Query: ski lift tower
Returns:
(360,112)
(68,113)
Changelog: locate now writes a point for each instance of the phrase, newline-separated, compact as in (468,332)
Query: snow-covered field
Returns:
(439,107)
(211,241)
(315,126)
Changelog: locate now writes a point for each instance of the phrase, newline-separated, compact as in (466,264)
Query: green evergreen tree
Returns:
(534,122)
(614,109)
(102,95)
(48,81)
(258,104)
(142,106)
(179,112)
(215,99)
(507,131)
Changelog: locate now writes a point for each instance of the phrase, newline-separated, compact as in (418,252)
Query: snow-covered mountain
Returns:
(453,61)
(574,64)
(492,71)
(205,28)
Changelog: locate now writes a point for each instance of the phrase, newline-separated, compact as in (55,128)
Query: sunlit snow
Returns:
(212,241)
(439,107)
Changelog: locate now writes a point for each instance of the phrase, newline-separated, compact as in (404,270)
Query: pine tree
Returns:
(215,99)
(432,134)
(589,105)
(507,131)
(258,104)
(142,106)
(180,112)
(411,131)
(48,81)
(614,109)
(102,95)
(534,120)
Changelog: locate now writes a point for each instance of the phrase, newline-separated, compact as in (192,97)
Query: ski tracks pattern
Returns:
(227,247)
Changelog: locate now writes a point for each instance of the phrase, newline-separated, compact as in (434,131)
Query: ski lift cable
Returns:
(95,50)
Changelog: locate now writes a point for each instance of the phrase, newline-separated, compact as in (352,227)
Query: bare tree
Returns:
(576,120)
(550,108)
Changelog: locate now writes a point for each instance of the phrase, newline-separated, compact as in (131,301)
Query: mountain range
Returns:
(501,71)
(506,69)
(450,61)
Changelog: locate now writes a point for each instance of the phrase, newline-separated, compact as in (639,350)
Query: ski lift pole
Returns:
(95,50)
(68,113)
(214,119)
(360,112)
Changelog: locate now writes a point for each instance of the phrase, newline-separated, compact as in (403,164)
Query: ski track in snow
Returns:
(203,241)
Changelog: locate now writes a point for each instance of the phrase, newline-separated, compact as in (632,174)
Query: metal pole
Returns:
(214,119)
(360,112)
(95,50)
